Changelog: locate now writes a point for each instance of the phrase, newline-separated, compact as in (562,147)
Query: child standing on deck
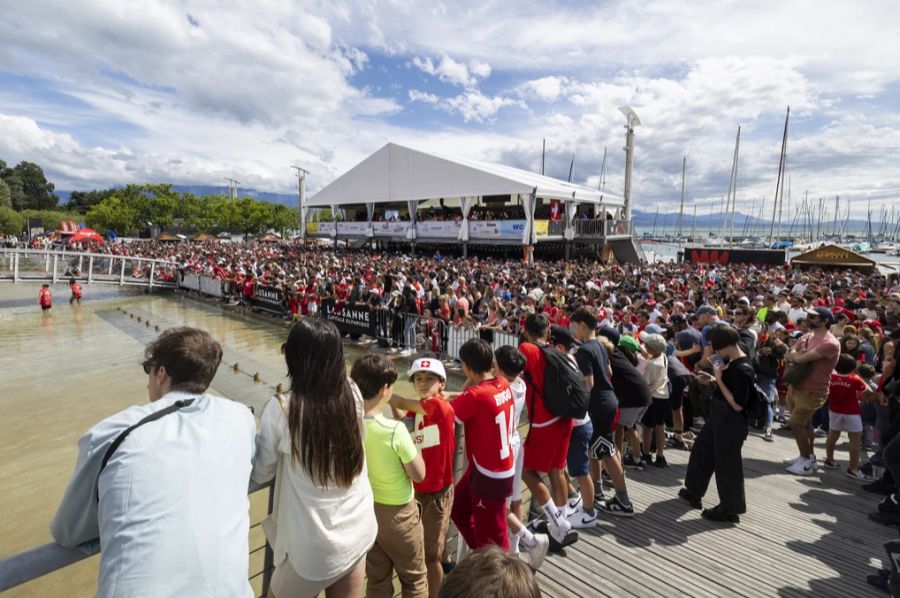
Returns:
(391,461)
(434,435)
(844,393)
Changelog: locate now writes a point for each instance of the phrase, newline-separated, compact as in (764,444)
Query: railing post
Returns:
(152,270)
(16,267)
(90,269)
(122,273)
(111,259)
(55,271)
(80,264)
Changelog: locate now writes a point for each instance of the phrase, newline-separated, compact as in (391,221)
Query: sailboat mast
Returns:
(681,211)
(781,209)
(602,186)
(779,183)
(543,154)
(694,224)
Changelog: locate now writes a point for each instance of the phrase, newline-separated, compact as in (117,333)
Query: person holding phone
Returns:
(717,449)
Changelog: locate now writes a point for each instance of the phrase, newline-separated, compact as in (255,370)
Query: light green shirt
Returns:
(388,447)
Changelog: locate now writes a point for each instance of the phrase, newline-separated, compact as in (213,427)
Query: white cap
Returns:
(428,364)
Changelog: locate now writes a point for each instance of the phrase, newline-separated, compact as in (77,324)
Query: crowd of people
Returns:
(613,366)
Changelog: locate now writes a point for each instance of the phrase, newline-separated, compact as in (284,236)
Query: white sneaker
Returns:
(574,502)
(579,519)
(534,555)
(559,528)
(791,460)
(803,467)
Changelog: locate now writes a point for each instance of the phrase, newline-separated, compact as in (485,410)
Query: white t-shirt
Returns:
(518,389)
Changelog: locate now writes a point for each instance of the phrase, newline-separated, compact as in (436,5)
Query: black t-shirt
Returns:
(593,361)
(739,377)
(631,388)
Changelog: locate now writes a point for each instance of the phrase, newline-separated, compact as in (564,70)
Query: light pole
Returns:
(301,195)
(633,121)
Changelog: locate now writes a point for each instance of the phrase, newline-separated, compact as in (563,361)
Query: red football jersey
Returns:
(843,393)
(486,411)
(538,414)
(435,437)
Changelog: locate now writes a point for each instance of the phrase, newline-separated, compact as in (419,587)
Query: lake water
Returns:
(62,372)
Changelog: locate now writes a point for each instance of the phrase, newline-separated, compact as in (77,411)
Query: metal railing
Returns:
(42,560)
(18,265)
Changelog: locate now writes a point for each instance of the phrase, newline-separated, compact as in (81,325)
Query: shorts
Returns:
(844,422)
(679,386)
(577,458)
(547,448)
(287,582)
(656,413)
(46,307)
(517,477)
(435,520)
(603,418)
(603,444)
(628,416)
(803,405)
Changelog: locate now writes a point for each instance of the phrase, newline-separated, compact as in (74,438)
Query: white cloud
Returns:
(453,72)
(420,96)
(547,89)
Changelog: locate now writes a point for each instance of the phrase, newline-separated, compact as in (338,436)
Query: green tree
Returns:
(5,195)
(37,191)
(82,201)
(114,213)
(11,222)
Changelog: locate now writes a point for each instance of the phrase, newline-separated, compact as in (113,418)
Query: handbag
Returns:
(796,373)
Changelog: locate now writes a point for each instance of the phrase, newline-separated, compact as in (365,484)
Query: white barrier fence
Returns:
(53,266)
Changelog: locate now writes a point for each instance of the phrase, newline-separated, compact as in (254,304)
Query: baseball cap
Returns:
(629,342)
(652,329)
(654,342)
(822,312)
(707,309)
(428,364)
(744,300)
(561,335)
(679,319)
(611,333)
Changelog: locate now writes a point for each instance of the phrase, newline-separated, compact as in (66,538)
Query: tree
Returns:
(5,195)
(11,222)
(82,201)
(37,191)
(114,213)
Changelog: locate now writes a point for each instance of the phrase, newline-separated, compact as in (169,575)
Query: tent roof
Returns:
(397,173)
(833,256)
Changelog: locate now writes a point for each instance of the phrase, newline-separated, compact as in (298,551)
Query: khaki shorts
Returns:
(803,405)
(436,508)
(286,582)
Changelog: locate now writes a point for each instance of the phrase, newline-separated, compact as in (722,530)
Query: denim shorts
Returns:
(577,459)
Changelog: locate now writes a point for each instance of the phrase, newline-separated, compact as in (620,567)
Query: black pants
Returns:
(717,449)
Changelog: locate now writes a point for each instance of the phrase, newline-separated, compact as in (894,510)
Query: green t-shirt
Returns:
(388,447)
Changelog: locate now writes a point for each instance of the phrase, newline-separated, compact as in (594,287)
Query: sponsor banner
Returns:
(438,229)
(312,227)
(269,299)
(326,229)
(352,319)
(352,229)
(709,255)
(541,228)
(496,229)
(391,229)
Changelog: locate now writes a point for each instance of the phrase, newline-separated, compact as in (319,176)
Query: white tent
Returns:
(396,173)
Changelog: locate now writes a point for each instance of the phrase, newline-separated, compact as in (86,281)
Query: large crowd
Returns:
(613,365)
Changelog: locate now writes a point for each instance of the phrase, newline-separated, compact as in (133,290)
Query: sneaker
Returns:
(781,419)
(803,467)
(631,463)
(791,460)
(891,504)
(580,519)
(881,580)
(769,436)
(558,528)
(820,433)
(614,507)
(856,475)
(687,495)
(540,526)
(676,443)
(534,555)
(830,464)
(646,459)
(661,462)
(574,502)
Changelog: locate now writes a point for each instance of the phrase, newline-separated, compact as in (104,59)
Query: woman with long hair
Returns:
(311,441)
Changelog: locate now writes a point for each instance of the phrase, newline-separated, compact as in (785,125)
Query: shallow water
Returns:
(62,372)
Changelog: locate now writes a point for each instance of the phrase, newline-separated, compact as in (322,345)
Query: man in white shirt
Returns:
(164,485)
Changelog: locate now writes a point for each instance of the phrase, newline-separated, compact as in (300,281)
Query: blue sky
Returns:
(192,91)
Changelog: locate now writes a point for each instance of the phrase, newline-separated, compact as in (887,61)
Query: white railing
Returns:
(54,266)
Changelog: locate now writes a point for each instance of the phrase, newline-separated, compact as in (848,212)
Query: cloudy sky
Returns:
(104,92)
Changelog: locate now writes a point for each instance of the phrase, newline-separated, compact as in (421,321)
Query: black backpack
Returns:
(565,392)
(747,343)
(757,403)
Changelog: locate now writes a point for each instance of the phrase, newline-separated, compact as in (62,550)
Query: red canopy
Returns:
(86,234)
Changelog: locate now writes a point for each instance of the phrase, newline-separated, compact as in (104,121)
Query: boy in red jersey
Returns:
(547,443)
(485,409)
(45,298)
(434,434)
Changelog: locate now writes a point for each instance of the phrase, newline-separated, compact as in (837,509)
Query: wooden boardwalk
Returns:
(801,536)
